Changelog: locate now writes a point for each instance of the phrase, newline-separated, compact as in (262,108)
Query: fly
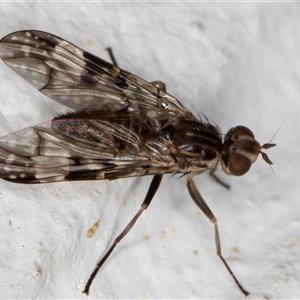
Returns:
(118,126)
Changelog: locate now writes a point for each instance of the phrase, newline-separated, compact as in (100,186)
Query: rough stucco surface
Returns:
(237,63)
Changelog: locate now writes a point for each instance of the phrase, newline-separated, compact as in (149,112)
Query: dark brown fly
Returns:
(119,125)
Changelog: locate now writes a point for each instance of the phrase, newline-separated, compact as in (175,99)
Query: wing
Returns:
(85,146)
(78,79)
(115,130)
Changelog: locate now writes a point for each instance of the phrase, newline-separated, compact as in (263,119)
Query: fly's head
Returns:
(241,150)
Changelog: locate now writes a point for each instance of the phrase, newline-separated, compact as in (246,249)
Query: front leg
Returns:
(200,202)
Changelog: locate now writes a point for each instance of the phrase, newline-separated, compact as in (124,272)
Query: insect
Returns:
(118,126)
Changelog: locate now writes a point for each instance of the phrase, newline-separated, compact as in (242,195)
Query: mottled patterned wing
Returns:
(114,130)
(78,79)
(74,148)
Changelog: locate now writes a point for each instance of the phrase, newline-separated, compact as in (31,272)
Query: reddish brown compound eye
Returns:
(242,130)
(238,164)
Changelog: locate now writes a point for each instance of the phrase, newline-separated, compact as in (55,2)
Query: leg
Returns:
(159,84)
(149,196)
(111,56)
(206,210)
(218,180)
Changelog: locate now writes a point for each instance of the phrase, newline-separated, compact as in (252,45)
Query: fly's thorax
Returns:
(197,143)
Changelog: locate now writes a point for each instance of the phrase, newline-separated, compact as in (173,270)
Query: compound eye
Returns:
(242,130)
(238,164)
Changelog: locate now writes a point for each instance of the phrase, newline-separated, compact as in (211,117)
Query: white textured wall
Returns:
(236,62)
